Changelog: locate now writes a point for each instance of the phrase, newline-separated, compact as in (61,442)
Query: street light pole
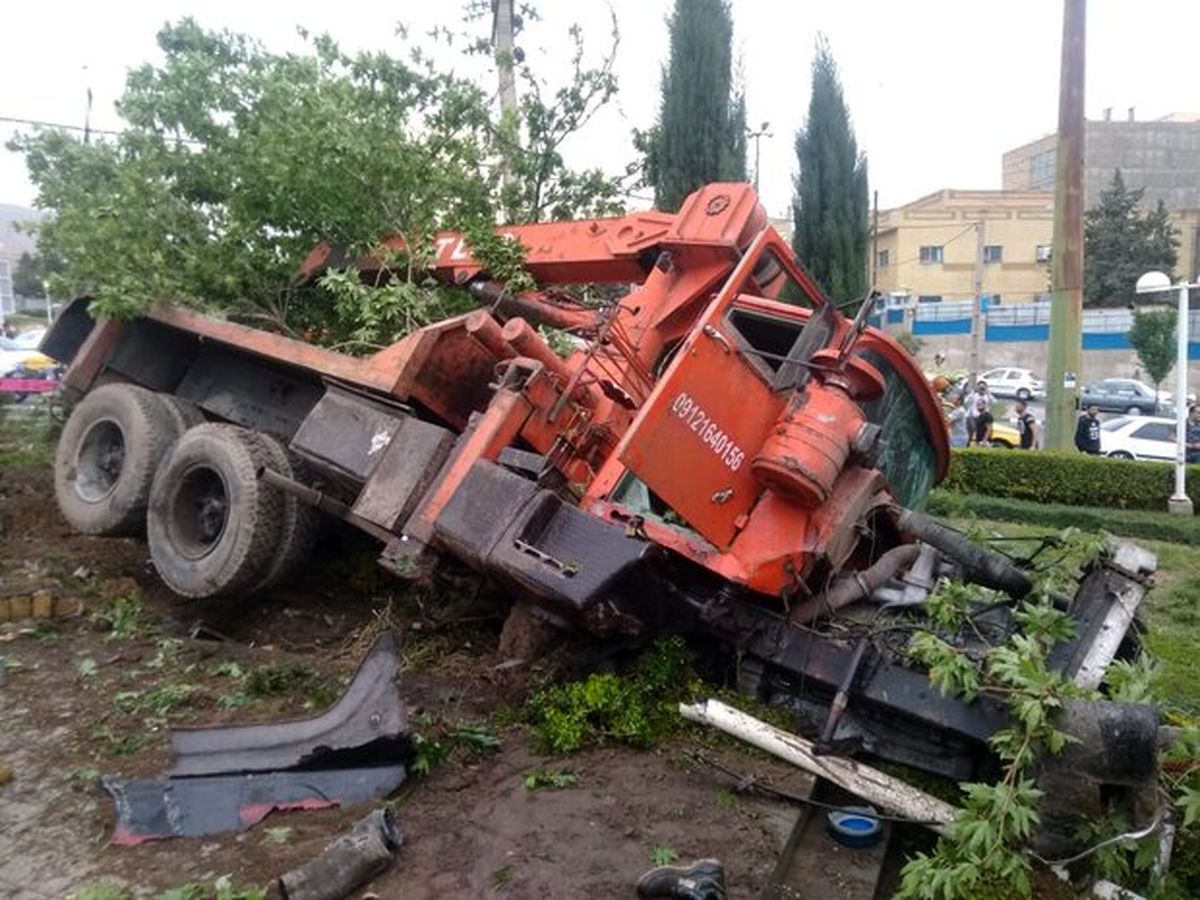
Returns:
(764,131)
(1157,282)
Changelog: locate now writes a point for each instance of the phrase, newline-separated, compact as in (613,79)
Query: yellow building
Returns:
(927,249)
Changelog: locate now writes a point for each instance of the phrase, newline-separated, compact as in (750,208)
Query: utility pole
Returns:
(502,40)
(977,317)
(1066,261)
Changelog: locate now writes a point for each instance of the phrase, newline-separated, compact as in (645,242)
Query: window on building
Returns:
(931,255)
(993,253)
(993,299)
(1041,170)
(1043,253)
(881,259)
(930,298)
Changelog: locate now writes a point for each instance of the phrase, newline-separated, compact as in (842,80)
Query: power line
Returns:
(14,120)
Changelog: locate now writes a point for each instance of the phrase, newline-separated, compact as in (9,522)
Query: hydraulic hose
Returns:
(857,586)
(980,565)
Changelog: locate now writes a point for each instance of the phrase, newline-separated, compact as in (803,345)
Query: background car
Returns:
(22,351)
(1019,383)
(1123,395)
(1138,437)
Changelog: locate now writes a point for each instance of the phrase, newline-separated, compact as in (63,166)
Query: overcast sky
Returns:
(937,89)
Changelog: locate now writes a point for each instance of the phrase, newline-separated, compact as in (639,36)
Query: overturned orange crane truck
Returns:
(725,454)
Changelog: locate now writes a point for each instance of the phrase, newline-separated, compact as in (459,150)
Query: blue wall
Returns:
(1016,333)
(949,326)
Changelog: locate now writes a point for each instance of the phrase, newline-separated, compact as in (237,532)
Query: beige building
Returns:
(927,249)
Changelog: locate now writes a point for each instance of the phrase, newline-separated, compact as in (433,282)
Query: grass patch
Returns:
(1160,526)
(541,778)
(281,678)
(27,440)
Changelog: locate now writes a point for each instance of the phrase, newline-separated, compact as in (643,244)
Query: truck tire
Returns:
(185,413)
(299,522)
(212,526)
(114,441)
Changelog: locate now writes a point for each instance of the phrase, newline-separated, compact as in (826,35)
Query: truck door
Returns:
(693,441)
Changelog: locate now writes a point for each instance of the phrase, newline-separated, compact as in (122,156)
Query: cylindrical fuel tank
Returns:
(809,444)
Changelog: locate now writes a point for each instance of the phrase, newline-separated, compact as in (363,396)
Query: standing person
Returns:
(1192,437)
(1087,431)
(980,399)
(1026,425)
(983,424)
(956,419)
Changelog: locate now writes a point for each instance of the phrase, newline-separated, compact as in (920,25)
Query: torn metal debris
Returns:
(228,779)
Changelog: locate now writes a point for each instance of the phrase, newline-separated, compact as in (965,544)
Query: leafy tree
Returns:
(700,136)
(830,204)
(1153,337)
(31,273)
(1121,243)
(236,162)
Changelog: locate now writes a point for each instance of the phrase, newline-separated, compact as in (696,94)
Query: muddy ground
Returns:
(94,692)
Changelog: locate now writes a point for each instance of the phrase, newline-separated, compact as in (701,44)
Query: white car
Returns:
(1138,437)
(21,350)
(1021,384)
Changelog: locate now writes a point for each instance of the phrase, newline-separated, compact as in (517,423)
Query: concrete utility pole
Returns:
(502,40)
(1066,305)
(977,317)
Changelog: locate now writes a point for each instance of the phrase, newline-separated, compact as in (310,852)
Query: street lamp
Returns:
(764,131)
(1155,283)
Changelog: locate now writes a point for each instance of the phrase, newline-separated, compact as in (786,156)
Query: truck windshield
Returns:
(908,459)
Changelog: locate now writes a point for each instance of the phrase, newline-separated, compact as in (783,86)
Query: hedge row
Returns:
(1072,479)
(1132,523)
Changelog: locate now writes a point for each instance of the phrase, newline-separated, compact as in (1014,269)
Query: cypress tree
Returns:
(700,136)
(1120,242)
(830,203)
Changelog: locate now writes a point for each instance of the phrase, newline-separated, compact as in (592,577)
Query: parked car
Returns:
(1138,437)
(1123,395)
(1005,435)
(22,351)
(1019,383)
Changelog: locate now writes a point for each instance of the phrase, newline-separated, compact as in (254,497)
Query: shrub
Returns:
(1157,526)
(1073,479)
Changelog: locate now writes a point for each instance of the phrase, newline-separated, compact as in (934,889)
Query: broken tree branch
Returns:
(872,785)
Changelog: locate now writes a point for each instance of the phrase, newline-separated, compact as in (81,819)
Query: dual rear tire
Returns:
(130,459)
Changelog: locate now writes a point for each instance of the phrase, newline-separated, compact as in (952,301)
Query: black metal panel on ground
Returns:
(210,804)
(247,392)
(369,711)
(153,355)
(407,468)
(347,432)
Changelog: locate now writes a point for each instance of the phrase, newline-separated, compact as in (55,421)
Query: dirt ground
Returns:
(95,693)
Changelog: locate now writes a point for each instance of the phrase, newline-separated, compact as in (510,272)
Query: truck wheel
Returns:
(212,526)
(185,413)
(299,522)
(110,448)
